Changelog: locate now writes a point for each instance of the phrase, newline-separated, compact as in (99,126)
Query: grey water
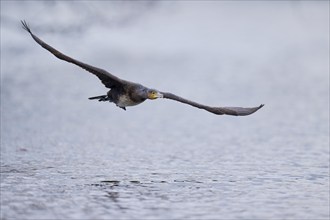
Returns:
(66,157)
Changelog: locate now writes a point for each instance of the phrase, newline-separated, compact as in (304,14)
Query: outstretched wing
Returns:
(236,111)
(107,79)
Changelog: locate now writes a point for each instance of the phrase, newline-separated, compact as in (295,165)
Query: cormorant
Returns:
(124,93)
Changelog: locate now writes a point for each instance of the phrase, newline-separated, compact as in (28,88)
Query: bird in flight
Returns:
(124,93)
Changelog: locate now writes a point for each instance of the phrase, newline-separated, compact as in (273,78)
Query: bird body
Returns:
(124,93)
(129,95)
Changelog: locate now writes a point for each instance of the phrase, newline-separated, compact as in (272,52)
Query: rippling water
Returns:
(66,157)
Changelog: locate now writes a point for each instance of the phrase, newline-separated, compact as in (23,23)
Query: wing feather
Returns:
(236,111)
(107,79)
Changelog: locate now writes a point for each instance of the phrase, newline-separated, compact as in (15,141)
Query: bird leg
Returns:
(122,107)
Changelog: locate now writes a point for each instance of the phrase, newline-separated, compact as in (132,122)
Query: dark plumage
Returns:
(124,93)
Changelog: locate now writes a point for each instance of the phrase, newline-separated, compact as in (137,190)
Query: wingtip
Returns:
(253,110)
(256,109)
(25,26)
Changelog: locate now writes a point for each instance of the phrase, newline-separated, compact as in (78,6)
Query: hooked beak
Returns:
(159,95)
(155,95)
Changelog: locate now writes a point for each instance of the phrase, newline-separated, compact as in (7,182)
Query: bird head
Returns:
(154,94)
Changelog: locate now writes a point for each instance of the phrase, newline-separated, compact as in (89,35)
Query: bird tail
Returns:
(100,98)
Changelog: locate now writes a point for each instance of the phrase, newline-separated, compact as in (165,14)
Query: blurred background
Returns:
(66,157)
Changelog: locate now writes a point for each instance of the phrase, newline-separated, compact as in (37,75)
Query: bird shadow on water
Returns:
(124,193)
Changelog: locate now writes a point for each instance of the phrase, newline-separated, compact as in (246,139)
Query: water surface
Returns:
(66,157)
